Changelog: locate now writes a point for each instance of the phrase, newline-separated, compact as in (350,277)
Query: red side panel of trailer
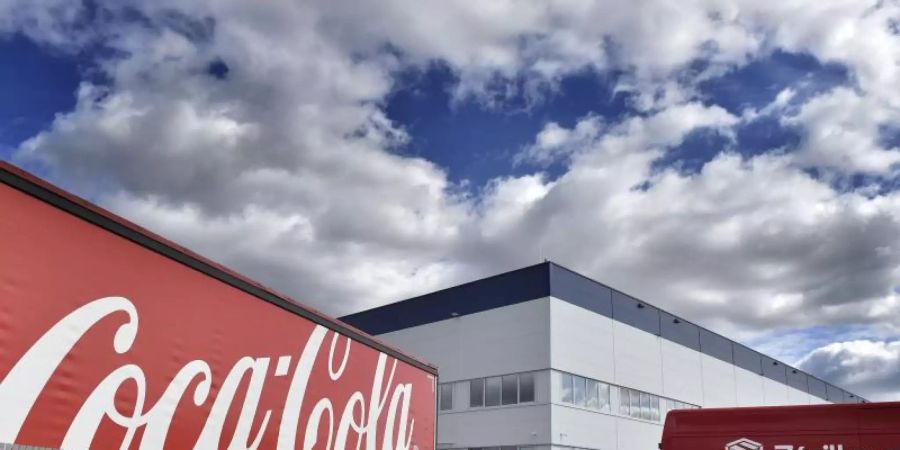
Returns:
(111,337)
(858,426)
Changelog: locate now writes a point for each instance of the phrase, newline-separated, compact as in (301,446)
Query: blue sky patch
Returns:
(698,147)
(35,84)
(476,142)
(758,83)
(765,134)
(792,345)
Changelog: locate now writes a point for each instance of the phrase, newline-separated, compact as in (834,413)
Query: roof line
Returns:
(700,326)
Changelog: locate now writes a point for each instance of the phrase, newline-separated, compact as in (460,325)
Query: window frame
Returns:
(624,402)
(504,387)
(607,405)
(592,393)
(473,382)
(444,405)
(645,405)
(570,390)
(635,397)
(487,391)
(529,375)
(577,382)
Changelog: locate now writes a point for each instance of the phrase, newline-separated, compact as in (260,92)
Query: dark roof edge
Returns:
(445,290)
(788,366)
(42,190)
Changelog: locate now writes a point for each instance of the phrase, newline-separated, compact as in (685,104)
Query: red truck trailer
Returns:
(114,338)
(855,426)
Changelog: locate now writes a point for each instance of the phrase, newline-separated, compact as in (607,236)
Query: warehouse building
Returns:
(544,358)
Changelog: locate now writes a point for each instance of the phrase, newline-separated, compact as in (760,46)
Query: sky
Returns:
(735,162)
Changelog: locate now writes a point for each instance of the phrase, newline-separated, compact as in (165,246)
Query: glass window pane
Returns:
(508,447)
(593,394)
(604,400)
(635,404)
(624,402)
(566,388)
(446,400)
(526,387)
(645,405)
(654,408)
(578,391)
(492,391)
(510,395)
(476,393)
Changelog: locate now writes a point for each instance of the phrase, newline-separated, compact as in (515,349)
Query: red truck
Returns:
(113,338)
(855,426)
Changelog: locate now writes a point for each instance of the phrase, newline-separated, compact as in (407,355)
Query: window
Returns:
(476,393)
(645,406)
(624,402)
(597,395)
(510,395)
(446,399)
(526,387)
(592,394)
(578,391)
(635,404)
(566,388)
(502,390)
(492,391)
(603,402)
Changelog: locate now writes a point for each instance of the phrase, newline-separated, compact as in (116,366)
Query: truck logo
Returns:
(25,382)
(743,444)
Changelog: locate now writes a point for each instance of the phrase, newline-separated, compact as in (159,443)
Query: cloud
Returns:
(867,367)
(748,243)
(285,165)
(554,142)
(843,133)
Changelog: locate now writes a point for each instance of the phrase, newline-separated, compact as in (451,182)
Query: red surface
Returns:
(52,263)
(864,426)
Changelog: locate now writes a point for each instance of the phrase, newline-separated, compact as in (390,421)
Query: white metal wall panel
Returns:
(510,339)
(775,393)
(682,373)
(581,341)
(638,361)
(749,388)
(511,425)
(719,384)
(578,428)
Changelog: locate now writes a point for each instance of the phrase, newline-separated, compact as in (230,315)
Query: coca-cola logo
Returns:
(146,424)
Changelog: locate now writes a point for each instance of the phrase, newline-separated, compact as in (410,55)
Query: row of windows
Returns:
(492,391)
(639,405)
(593,394)
(505,390)
(646,406)
(581,391)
